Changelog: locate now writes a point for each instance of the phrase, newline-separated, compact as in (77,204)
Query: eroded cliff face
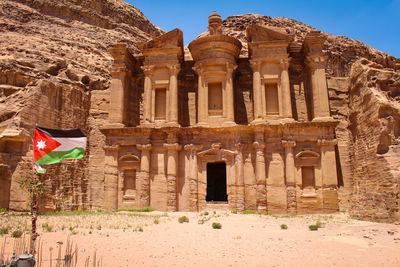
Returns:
(55,72)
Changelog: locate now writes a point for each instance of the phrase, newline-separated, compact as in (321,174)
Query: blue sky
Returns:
(376,23)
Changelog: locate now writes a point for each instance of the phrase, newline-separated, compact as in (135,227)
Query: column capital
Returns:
(326,142)
(285,63)
(316,60)
(174,69)
(193,147)
(111,147)
(144,147)
(255,64)
(259,145)
(240,146)
(198,68)
(173,146)
(147,69)
(230,67)
(288,143)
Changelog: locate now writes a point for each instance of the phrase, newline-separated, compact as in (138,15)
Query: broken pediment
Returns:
(257,33)
(307,153)
(170,39)
(216,150)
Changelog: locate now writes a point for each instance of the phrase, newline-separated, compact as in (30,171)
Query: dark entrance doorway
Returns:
(216,182)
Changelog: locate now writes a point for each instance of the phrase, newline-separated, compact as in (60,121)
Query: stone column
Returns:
(172,163)
(230,114)
(144,190)
(202,105)
(173,95)
(111,178)
(290,175)
(285,85)
(147,107)
(328,162)
(257,94)
(117,101)
(316,65)
(240,190)
(259,146)
(193,172)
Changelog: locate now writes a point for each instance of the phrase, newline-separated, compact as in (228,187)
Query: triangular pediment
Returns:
(170,39)
(257,33)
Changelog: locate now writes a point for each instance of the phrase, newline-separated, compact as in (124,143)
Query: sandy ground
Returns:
(243,240)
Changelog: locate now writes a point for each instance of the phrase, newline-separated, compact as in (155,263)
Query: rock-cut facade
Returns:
(214,128)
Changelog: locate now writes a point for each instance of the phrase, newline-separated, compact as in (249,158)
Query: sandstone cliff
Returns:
(54,71)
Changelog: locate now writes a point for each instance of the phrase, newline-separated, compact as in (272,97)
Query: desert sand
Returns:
(158,239)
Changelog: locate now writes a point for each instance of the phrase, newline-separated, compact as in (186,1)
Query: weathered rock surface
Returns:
(55,72)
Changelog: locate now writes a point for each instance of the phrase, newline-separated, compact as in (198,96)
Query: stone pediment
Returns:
(257,33)
(216,150)
(307,153)
(170,39)
(129,158)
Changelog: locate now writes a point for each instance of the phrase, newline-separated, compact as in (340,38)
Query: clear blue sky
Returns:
(376,23)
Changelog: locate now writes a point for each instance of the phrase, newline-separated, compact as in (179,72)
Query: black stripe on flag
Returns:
(61,133)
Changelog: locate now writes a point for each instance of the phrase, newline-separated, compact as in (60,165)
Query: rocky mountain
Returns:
(55,72)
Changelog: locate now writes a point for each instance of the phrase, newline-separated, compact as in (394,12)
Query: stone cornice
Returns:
(144,147)
(288,143)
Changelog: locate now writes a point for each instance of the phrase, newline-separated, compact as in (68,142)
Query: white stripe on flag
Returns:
(70,143)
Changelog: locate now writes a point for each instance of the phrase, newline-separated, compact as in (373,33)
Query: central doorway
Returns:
(216,182)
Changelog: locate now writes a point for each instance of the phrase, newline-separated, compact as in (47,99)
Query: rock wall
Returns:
(374,122)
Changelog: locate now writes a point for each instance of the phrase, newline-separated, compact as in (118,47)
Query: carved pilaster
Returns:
(111,177)
(290,175)
(259,147)
(230,116)
(172,162)
(240,190)
(285,85)
(192,173)
(173,95)
(201,97)
(144,177)
(257,94)
(328,162)
(147,109)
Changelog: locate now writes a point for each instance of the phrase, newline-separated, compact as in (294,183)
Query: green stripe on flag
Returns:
(57,156)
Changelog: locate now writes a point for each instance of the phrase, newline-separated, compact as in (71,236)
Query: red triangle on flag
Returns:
(43,144)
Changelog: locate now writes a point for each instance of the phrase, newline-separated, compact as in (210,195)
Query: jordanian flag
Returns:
(52,146)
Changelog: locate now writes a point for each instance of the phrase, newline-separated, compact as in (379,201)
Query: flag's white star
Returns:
(41,144)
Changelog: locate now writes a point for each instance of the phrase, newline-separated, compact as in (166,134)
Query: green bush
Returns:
(145,209)
(284,227)
(216,225)
(313,227)
(183,219)
(4,230)
(16,233)
(206,213)
(234,211)
(156,221)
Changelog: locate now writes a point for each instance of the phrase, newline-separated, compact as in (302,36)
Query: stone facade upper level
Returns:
(217,87)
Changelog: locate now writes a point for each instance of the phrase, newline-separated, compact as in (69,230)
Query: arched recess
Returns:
(128,185)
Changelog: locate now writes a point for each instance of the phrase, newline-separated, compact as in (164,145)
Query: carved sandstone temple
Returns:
(188,130)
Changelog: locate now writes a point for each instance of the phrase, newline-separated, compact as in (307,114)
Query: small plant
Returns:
(47,227)
(313,227)
(320,224)
(90,232)
(183,219)
(216,225)
(206,213)
(4,230)
(249,212)
(234,211)
(284,227)
(214,212)
(156,221)
(73,232)
(140,229)
(3,210)
(99,227)
(17,234)
(63,227)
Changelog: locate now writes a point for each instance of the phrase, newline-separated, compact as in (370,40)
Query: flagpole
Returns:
(33,205)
